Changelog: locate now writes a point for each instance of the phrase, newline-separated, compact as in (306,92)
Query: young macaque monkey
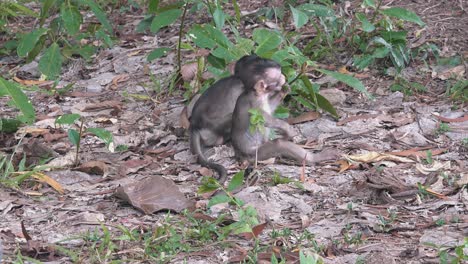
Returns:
(264,92)
(211,119)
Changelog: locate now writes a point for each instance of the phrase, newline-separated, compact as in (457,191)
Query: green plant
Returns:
(12,9)
(458,90)
(465,142)
(382,37)
(407,87)
(385,222)
(265,43)
(458,255)
(443,128)
(429,159)
(63,37)
(75,135)
(18,100)
(247,214)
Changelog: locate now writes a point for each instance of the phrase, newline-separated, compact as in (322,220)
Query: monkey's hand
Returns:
(288,133)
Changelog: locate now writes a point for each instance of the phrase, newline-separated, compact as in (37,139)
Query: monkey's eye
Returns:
(274,86)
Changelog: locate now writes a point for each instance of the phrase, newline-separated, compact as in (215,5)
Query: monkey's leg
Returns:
(287,149)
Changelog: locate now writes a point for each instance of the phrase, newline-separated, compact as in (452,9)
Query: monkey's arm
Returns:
(281,125)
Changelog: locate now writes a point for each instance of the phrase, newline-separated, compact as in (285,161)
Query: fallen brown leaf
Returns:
(256,230)
(305,117)
(416,152)
(188,71)
(451,120)
(32,82)
(154,194)
(44,178)
(102,106)
(94,167)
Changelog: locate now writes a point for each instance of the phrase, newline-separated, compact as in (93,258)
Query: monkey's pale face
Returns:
(274,79)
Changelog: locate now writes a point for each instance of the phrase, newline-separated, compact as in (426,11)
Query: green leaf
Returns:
(300,18)
(366,25)
(380,52)
(348,80)
(281,112)
(316,10)
(37,49)
(164,19)
(363,61)
(267,40)
(394,36)
(369,3)
(74,136)
(403,14)
(158,53)
(20,100)
(144,24)
(100,15)
(28,41)
(221,198)
(50,63)
(209,184)
(153,6)
(207,36)
(22,9)
(243,47)
(219,18)
(224,53)
(103,134)
(237,11)
(9,126)
(71,17)
(236,181)
(46,5)
(67,119)
(326,105)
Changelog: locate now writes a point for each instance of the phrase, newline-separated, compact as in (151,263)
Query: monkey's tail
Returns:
(196,147)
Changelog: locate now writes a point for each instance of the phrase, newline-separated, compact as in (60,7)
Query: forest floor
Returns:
(399,206)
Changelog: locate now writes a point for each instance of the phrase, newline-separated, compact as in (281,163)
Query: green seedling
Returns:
(75,136)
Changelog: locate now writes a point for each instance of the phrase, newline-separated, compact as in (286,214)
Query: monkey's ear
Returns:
(260,86)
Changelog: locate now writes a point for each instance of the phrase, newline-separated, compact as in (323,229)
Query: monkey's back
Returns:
(216,103)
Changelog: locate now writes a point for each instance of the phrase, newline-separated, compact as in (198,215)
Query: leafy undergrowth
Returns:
(398,195)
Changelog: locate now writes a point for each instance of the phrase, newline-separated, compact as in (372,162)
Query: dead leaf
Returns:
(84,94)
(344,165)
(445,73)
(205,172)
(436,194)
(305,117)
(44,178)
(451,120)
(154,194)
(436,166)
(25,232)
(119,79)
(32,82)
(102,106)
(132,166)
(376,156)
(184,119)
(343,70)
(256,230)
(94,167)
(189,71)
(416,152)
(53,137)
